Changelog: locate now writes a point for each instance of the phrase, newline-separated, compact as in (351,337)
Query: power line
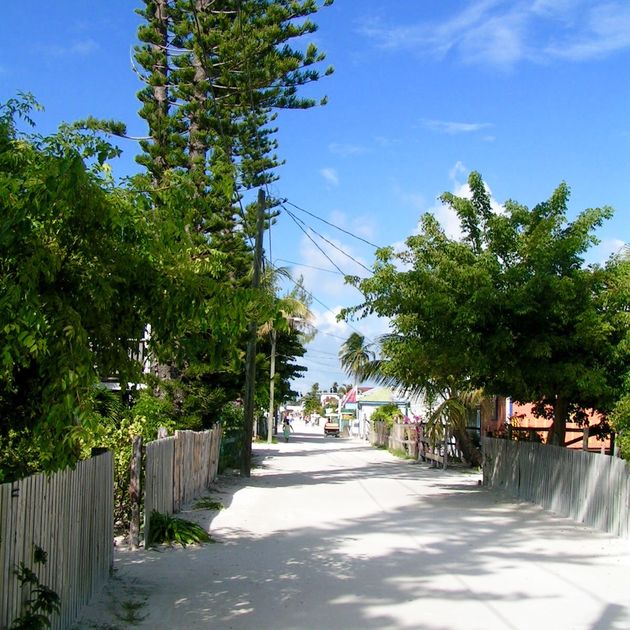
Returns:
(297,264)
(299,285)
(359,238)
(298,221)
(328,354)
(328,258)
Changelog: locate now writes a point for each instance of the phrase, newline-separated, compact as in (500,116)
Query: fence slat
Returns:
(588,487)
(179,469)
(70,516)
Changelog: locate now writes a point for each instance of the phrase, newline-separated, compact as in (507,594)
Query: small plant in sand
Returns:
(130,610)
(206,503)
(41,601)
(164,528)
(400,453)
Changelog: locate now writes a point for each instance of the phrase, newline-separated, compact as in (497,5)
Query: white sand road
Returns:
(331,533)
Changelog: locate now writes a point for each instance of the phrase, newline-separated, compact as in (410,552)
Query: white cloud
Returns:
(447,217)
(346,150)
(330,175)
(359,225)
(453,128)
(81,48)
(414,199)
(604,250)
(607,30)
(384,142)
(335,252)
(458,169)
(326,321)
(500,34)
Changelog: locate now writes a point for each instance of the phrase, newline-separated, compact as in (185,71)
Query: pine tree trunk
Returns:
(160,86)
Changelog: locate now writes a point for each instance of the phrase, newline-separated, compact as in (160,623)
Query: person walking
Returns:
(286,429)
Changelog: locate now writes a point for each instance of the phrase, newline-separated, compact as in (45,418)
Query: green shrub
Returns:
(114,426)
(387,413)
(164,528)
(233,437)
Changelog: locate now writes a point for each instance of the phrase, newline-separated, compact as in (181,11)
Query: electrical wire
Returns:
(310,238)
(341,251)
(359,238)
(297,264)
(299,285)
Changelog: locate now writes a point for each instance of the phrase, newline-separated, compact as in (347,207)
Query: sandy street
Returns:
(331,533)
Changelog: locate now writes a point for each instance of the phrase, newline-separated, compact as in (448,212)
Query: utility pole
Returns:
(272,375)
(250,359)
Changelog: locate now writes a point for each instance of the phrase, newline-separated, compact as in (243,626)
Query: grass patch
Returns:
(400,453)
(207,503)
(164,528)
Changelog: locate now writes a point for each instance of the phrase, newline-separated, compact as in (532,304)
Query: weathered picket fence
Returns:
(178,469)
(410,438)
(379,434)
(405,437)
(70,516)
(587,487)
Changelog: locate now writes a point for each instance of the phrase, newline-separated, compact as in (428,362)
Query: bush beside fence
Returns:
(178,469)
(70,516)
(590,488)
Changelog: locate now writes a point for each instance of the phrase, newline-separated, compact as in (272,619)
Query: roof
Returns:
(378,394)
(350,397)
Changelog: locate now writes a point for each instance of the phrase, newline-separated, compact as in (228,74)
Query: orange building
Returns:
(500,415)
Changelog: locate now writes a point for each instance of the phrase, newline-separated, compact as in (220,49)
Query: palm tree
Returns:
(451,416)
(290,314)
(355,357)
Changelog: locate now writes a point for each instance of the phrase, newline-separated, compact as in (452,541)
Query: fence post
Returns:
(134,491)
(446,438)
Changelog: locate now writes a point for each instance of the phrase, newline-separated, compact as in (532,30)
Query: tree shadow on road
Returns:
(451,557)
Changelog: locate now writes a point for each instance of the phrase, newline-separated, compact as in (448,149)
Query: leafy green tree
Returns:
(311,401)
(355,355)
(214,73)
(618,298)
(289,314)
(510,308)
(74,269)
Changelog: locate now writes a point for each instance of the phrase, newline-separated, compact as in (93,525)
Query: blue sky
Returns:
(529,93)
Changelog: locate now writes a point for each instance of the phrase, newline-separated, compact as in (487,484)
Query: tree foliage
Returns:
(619,303)
(510,307)
(355,355)
(86,265)
(73,268)
(214,72)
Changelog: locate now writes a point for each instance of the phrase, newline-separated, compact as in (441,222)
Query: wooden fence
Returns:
(411,438)
(178,469)
(590,488)
(379,434)
(404,437)
(70,516)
